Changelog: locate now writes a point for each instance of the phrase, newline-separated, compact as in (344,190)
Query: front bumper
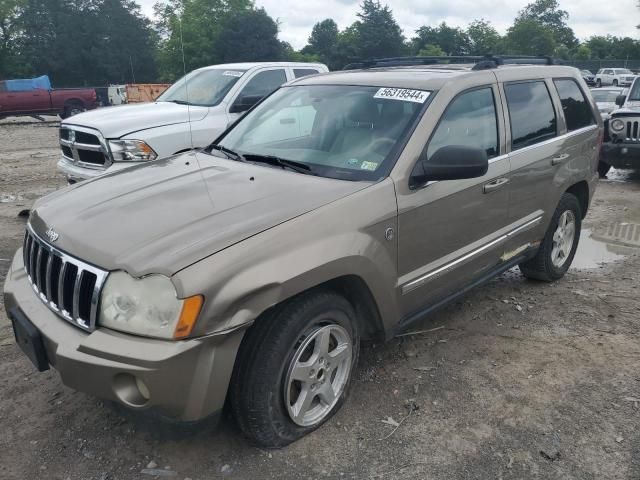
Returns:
(621,155)
(186,380)
(76,173)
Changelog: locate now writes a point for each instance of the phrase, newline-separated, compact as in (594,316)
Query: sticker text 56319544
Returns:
(404,94)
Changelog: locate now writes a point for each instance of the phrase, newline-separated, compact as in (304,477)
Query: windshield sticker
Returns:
(404,94)
(232,73)
(368,166)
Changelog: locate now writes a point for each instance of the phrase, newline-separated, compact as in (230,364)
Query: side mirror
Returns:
(244,103)
(452,162)
(620,99)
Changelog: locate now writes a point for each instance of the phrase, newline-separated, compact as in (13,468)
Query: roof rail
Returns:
(482,62)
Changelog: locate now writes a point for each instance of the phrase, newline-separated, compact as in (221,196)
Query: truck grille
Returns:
(84,147)
(632,134)
(68,286)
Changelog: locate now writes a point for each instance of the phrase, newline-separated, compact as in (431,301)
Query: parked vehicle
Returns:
(605,99)
(588,77)
(144,92)
(344,206)
(618,77)
(180,119)
(31,97)
(622,142)
(117,94)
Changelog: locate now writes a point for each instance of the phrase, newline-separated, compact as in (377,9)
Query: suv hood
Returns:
(630,108)
(168,214)
(114,122)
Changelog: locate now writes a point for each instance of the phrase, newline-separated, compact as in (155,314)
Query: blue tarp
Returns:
(27,84)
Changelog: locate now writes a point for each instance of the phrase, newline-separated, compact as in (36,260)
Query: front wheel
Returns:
(558,247)
(615,83)
(603,169)
(294,368)
(598,83)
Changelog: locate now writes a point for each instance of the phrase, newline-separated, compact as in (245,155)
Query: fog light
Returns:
(131,390)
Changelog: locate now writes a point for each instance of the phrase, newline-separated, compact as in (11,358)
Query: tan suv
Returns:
(344,206)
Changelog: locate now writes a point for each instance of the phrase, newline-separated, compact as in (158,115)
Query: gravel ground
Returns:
(517,380)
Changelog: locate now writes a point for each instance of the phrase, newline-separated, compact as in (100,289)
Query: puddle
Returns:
(605,245)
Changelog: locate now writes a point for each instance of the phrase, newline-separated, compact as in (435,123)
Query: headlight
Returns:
(147,306)
(131,151)
(616,125)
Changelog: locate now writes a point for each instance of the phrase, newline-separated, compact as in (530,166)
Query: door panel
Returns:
(447,229)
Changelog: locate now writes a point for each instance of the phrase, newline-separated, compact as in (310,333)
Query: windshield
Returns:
(624,71)
(347,132)
(202,87)
(634,93)
(586,72)
(605,96)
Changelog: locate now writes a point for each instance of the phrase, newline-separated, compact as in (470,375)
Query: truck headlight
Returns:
(147,306)
(131,151)
(616,125)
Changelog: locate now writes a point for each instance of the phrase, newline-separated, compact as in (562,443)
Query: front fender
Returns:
(243,281)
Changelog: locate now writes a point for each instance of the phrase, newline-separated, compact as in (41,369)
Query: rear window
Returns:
(533,118)
(303,72)
(577,111)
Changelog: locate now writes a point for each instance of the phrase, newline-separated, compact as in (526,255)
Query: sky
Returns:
(586,17)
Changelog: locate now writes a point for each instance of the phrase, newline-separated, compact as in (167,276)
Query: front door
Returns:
(261,84)
(449,231)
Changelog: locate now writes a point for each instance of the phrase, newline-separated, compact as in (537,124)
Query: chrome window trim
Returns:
(422,279)
(564,136)
(57,305)
(103,147)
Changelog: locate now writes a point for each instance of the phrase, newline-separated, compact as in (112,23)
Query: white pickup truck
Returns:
(190,114)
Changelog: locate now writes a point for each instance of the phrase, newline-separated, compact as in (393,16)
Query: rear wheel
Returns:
(294,368)
(598,83)
(72,109)
(559,245)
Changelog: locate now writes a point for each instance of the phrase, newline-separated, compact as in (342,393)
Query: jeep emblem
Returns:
(52,235)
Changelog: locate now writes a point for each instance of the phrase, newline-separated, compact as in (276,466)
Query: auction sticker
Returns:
(405,94)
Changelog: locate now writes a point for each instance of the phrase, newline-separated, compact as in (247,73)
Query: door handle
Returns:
(559,158)
(494,185)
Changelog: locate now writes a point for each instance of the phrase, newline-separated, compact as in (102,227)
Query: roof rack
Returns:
(482,62)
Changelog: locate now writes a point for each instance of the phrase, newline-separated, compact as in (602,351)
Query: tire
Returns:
(72,109)
(545,266)
(599,83)
(603,169)
(262,389)
(615,83)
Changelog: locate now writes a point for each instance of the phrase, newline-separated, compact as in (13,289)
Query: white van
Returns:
(190,114)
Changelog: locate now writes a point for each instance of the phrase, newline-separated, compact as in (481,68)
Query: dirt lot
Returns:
(519,380)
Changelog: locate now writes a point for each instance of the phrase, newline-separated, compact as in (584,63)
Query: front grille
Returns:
(84,147)
(87,156)
(632,133)
(68,286)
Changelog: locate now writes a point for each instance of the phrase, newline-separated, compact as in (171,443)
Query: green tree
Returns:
(323,39)
(483,37)
(582,53)
(548,14)
(452,40)
(529,37)
(248,36)
(430,50)
(376,31)
(9,32)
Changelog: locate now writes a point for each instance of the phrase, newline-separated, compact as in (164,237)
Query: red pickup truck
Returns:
(41,101)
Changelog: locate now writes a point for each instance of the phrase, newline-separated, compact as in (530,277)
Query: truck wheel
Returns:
(598,83)
(615,83)
(559,244)
(72,109)
(603,169)
(294,368)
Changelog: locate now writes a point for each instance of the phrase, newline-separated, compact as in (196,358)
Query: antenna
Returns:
(186,83)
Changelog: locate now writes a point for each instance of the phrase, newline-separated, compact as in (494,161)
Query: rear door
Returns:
(447,230)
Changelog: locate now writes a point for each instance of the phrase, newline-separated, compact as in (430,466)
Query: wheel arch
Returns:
(581,191)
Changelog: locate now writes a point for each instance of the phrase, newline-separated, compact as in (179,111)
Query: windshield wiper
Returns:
(280,162)
(179,102)
(228,152)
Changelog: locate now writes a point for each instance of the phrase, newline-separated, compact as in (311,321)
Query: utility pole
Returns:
(132,74)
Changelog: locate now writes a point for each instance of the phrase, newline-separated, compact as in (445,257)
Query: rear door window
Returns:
(303,72)
(533,118)
(577,111)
